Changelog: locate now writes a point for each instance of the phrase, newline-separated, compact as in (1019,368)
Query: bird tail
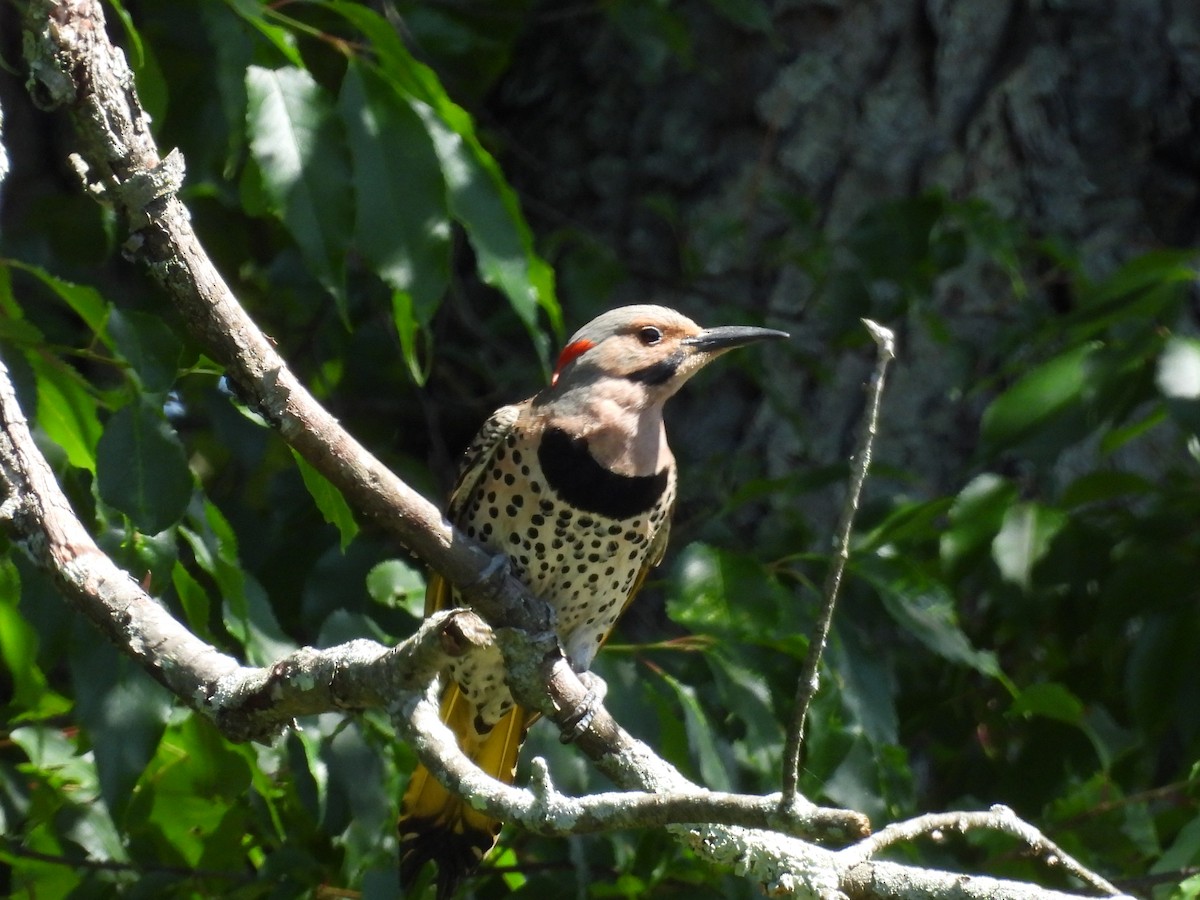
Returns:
(438,826)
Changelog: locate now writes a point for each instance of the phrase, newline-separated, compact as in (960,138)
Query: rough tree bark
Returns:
(1079,120)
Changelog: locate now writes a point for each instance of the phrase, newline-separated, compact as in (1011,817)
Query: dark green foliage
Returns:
(1025,637)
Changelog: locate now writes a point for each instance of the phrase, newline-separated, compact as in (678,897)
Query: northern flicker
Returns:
(576,485)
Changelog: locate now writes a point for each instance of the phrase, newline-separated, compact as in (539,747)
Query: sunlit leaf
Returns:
(1050,700)
(415,342)
(193,811)
(726,593)
(1178,378)
(31,696)
(298,143)
(401,226)
(1039,398)
(193,598)
(1023,539)
(479,196)
(395,583)
(329,500)
(66,412)
(975,517)
(84,300)
(254,12)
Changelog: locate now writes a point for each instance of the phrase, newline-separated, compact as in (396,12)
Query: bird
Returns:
(577,486)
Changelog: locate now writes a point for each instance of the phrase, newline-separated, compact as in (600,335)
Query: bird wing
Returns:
(475,462)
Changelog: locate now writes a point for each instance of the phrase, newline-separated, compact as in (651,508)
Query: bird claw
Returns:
(580,720)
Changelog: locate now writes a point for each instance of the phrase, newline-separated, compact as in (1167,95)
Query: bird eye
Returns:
(649,335)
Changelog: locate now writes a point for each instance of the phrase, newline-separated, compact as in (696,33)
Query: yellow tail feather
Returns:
(438,826)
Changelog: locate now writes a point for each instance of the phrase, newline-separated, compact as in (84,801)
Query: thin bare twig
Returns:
(998,818)
(810,673)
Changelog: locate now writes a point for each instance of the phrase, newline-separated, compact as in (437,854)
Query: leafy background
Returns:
(1020,617)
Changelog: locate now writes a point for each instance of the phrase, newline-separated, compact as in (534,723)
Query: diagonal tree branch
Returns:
(74,66)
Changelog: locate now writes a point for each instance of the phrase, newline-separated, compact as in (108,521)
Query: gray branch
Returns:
(806,689)
(73,66)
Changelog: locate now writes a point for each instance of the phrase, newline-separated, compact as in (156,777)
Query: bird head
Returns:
(651,346)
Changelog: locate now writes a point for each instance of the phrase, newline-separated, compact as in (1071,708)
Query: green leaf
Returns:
(1038,400)
(415,339)
(141,468)
(85,301)
(1111,741)
(752,15)
(253,11)
(926,610)
(746,695)
(245,610)
(479,197)
(866,686)
(66,411)
(1104,485)
(398,585)
(149,345)
(190,803)
(401,226)
(53,754)
(1023,539)
(975,517)
(726,593)
(18,650)
(298,144)
(193,598)
(487,208)
(151,87)
(329,500)
(124,713)
(1184,851)
(1049,700)
(854,784)
(700,735)
(1145,273)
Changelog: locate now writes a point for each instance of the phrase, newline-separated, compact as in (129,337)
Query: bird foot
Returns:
(581,718)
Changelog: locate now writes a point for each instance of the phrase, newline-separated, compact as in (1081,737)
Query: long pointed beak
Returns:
(711,340)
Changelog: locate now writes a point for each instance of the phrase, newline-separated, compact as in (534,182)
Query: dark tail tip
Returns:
(455,853)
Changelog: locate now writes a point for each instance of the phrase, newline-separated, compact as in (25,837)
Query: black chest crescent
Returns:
(585,484)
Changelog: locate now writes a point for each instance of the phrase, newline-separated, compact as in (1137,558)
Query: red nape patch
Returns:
(569,353)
